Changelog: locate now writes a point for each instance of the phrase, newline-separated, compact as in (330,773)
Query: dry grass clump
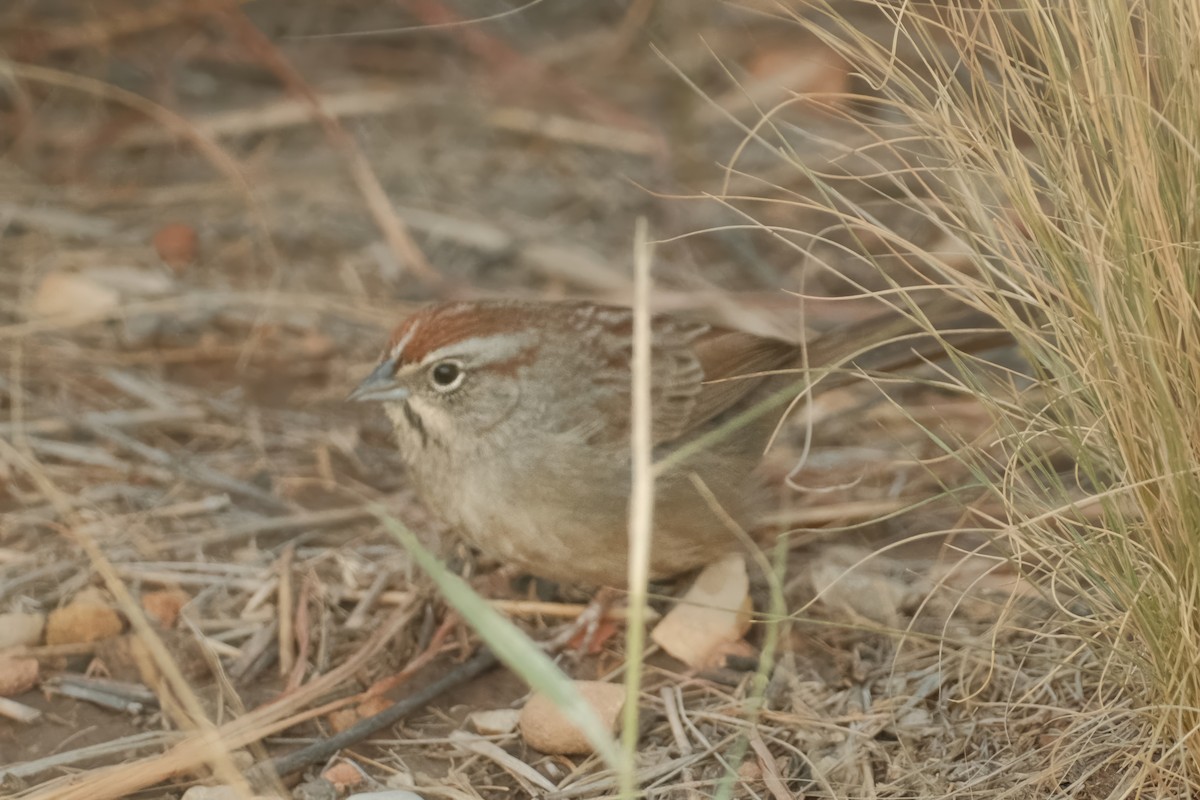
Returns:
(1055,146)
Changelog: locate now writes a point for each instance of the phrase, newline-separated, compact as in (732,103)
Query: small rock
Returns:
(178,245)
(18,629)
(163,606)
(750,771)
(211,793)
(17,675)
(343,775)
(81,622)
(68,294)
(496,721)
(95,291)
(221,792)
(545,729)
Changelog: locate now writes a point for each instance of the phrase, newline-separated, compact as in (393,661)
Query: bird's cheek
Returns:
(494,404)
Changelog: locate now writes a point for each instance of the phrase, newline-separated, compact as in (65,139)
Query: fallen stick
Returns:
(313,519)
(323,750)
(131,418)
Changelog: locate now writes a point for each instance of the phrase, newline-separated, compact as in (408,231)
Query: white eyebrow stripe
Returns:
(398,347)
(488,349)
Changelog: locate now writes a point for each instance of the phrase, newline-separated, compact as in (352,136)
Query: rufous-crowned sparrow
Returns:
(514,420)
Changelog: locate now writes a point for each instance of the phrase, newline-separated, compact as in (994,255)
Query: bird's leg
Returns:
(584,627)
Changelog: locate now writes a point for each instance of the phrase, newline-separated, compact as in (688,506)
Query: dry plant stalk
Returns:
(1059,141)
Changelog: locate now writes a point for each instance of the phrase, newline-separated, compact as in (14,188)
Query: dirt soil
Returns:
(211,216)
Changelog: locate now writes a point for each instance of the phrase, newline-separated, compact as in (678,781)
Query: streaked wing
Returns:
(690,362)
(725,356)
(676,382)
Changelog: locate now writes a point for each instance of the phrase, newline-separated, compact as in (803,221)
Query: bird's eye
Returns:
(447,375)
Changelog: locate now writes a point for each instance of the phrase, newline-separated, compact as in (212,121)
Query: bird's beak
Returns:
(380,385)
